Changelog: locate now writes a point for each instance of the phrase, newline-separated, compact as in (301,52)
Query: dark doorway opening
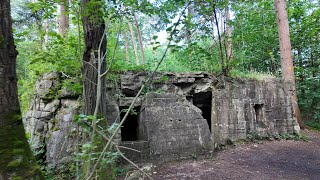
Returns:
(258,108)
(203,101)
(129,129)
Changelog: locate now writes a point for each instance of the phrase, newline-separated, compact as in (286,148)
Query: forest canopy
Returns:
(237,36)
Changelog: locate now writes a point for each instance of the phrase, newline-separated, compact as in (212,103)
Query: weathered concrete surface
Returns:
(245,107)
(178,115)
(237,109)
(173,126)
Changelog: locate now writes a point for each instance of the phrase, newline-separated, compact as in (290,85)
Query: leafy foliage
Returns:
(194,45)
(33,61)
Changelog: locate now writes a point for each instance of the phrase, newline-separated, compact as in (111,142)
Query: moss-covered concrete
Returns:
(16,158)
(1,39)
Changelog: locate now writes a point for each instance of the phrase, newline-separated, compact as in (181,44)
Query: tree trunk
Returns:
(301,75)
(127,46)
(223,69)
(212,20)
(188,35)
(189,15)
(139,37)
(64,17)
(46,35)
(16,158)
(228,36)
(285,53)
(93,27)
(134,43)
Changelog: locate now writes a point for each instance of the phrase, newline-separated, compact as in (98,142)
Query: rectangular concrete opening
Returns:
(203,101)
(129,129)
(258,108)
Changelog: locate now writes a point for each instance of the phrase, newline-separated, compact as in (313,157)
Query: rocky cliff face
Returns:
(49,121)
(178,115)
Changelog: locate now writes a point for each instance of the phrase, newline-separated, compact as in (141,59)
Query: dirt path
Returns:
(269,160)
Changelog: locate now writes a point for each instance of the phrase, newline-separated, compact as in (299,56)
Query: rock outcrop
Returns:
(49,121)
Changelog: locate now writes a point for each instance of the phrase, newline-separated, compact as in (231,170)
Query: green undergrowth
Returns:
(315,125)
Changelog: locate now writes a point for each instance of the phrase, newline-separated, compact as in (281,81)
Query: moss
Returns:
(1,39)
(16,155)
(18,151)
(16,178)
(15,163)
(163,79)
(18,143)
(13,117)
(53,92)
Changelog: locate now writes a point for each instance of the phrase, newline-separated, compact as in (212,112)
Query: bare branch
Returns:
(124,147)
(132,163)
(66,75)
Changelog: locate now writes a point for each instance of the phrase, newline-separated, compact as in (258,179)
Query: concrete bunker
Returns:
(174,118)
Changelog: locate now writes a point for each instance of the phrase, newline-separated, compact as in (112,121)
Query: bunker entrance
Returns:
(258,109)
(203,101)
(129,129)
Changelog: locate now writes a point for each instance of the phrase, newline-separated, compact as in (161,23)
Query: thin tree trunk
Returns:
(223,69)
(188,36)
(64,17)
(212,34)
(228,36)
(154,50)
(134,43)
(139,37)
(127,46)
(301,75)
(190,12)
(16,158)
(285,53)
(46,35)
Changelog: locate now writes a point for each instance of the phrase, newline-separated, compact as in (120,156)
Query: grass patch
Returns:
(259,76)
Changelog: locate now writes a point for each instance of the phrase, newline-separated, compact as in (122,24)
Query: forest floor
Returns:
(278,159)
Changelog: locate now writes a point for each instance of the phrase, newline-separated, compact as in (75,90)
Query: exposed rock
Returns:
(48,85)
(60,140)
(52,106)
(131,83)
(49,122)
